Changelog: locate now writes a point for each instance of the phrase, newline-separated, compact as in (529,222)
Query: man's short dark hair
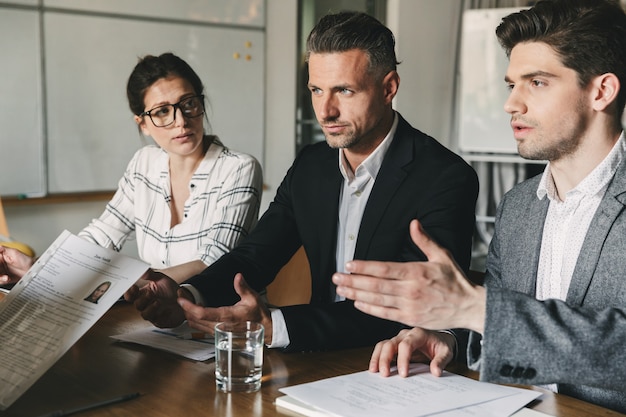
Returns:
(349,30)
(589,36)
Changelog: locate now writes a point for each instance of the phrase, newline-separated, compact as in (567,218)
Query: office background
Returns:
(249,55)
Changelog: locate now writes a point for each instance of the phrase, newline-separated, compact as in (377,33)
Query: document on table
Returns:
(366,394)
(181,340)
(63,294)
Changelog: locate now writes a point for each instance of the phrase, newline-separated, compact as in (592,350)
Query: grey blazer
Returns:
(580,344)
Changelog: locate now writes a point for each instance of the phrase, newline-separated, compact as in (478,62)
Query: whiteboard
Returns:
(66,126)
(21,137)
(91,132)
(22,2)
(483,125)
(239,12)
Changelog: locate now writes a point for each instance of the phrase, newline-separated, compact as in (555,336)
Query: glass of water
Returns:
(238,356)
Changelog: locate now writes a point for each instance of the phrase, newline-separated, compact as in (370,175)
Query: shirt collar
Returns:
(592,183)
(373,162)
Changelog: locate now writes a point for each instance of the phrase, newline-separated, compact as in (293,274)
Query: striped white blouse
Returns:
(223,206)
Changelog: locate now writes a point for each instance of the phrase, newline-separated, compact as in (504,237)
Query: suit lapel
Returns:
(610,207)
(532,220)
(390,176)
(327,187)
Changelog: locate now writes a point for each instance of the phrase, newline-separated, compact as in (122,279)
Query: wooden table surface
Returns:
(97,368)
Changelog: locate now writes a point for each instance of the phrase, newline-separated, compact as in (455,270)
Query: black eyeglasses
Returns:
(166,115)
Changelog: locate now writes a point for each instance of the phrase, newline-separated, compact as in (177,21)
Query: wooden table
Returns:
(96,368)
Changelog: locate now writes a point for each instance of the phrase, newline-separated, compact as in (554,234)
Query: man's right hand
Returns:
(156,301)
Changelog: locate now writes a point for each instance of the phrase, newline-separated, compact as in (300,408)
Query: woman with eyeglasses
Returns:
(188,199)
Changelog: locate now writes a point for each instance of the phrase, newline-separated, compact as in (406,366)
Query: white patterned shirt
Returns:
(567,223)
(223,206)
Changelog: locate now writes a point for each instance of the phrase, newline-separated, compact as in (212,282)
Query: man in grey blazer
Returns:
(553,309)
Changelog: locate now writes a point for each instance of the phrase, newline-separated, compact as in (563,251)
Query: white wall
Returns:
(38,225)
(280,110)
(426,40)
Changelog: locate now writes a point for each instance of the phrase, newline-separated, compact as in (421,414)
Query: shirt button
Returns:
(351,237)
(358,193)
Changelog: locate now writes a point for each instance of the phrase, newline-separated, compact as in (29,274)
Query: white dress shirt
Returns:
(352,201)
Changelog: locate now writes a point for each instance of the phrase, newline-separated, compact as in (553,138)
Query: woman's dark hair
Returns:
(152,68)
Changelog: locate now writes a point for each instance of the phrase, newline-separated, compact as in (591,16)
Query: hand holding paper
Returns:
(54,304)
(13,265)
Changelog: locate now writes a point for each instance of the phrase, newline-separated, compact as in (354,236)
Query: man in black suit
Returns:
(349,198)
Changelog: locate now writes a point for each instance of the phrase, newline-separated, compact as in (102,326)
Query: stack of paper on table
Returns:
(181,340)
(366,394)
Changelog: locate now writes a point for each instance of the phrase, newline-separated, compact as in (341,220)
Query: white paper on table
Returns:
(527,412)
(46,312)
(496,408)
(501,407)
(289,403)
(177,340)
(366,394)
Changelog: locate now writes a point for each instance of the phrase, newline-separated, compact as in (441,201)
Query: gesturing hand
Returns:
(249,308)
(434,294)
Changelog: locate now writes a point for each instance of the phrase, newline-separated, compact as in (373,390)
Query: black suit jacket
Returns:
(419,178)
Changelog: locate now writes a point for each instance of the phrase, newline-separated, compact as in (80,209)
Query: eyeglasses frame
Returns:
(175,106)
